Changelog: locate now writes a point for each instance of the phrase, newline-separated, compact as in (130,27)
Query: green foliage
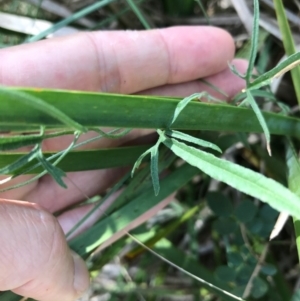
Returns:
(240,225)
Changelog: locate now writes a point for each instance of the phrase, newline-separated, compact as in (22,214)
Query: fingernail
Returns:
(81,277)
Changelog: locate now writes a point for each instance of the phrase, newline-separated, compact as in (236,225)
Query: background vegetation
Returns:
(211,230)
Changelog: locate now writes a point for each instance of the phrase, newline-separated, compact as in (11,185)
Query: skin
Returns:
(35,260)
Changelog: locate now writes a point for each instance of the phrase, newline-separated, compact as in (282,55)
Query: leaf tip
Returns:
(269,149)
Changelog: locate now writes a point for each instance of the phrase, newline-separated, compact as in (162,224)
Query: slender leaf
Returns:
(241,178)
(293,167)
(261,119)
(154,168)
(56,173)
(75,160)
(20,162)
(254,42)
(285,66)
(14,142)
(85,11)
(191,139)
(100,232)
(138,13)
(139,160)
(288,42)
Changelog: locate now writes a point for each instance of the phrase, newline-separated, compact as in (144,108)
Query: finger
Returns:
(225,81)
(121,62)
(32,242)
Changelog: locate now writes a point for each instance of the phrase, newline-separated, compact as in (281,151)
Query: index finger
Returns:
(120,61)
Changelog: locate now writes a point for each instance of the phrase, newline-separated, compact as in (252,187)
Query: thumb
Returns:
(35,260)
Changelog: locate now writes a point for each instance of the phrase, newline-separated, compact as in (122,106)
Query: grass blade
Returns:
(39,104)
(138,13)
(111,110)
(85,11)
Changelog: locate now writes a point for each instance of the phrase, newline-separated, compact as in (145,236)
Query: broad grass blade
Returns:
(137,111)
(39,104)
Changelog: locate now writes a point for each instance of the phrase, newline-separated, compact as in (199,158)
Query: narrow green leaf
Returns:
(254,42)
(261,119)
(85,159)
(139,160)
(138,13)
(241,178)
(103,230)
(86,10)
(293,175)
(285,66)
(191,139)
(19,163)
(14,142)
(56,173)
(154,168)
(39,104)
(183,103)
(288,42)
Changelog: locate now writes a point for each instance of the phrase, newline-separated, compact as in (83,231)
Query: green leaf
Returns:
(14,142)
(268,269)
(39,104)
(154,168)
(266,78)
(73,17)
(183,103)
(219,203)
(225,226)
(261,119)
(245,211)
(100,232)
(288,43)
(259,288)
(136,111)
(241,178)
(254,42)
(75,160)
(56,173)
(293,166)
(191,139)
(225,273)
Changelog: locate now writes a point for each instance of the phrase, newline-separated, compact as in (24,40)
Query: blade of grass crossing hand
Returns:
(43,106)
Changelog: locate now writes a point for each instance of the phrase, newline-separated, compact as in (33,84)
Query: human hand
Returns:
(35,260)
